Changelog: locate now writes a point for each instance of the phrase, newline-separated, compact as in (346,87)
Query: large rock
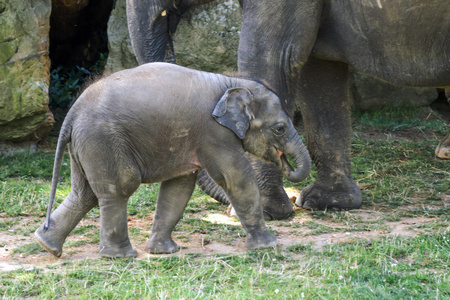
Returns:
(210,43)
(24,74)
(121,54)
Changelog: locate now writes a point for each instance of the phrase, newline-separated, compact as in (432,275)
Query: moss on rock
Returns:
(24,71)
(210,41)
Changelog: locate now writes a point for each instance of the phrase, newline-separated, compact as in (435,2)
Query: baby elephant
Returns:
(162,123)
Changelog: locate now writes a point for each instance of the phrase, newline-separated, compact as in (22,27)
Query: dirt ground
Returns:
(288,232)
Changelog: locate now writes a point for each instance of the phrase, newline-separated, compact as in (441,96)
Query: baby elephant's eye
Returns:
(279,129)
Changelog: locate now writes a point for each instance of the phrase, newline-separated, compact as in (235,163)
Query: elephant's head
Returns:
(152,23)
(259,119)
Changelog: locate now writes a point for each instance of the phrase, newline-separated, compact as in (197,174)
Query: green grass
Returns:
(387,268)
(27,249)
(400,179)
(398,170)
(401,118)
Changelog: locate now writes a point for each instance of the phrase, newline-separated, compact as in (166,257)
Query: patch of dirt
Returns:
(295,231)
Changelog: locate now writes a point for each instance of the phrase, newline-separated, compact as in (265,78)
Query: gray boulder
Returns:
(121,54)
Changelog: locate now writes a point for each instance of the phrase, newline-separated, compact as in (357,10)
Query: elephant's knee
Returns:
(80,201)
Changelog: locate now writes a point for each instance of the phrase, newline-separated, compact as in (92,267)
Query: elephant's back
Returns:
(159,74)
(150,99)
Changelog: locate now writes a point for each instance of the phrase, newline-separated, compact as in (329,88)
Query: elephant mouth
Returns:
(282,160)
(273,156)
(279,153)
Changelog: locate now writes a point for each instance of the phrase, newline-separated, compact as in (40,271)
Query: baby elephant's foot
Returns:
(50,240)
(261,239)
(161,246)
(116,251)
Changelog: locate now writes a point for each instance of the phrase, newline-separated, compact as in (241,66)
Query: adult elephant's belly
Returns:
(403,42)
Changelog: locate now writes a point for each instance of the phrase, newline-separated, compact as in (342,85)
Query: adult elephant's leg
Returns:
(326,114)
(276,40)
(64,219)
(276,204)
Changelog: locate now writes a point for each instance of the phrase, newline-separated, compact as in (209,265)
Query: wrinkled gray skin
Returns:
(136,126)
(303,50)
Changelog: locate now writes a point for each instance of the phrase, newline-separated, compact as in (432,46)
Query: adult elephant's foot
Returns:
(275,202)
(123,250)
(321,196)
(261,239)
(276,206)
(50,240)
(443,149)
(157,245)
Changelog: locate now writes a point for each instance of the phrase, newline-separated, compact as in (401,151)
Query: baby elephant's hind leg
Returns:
(114,240)
(173,197)
(64,219)
(113,187)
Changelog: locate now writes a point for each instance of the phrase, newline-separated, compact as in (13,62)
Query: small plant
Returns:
(64,85)
(27,249)
(299,248)
(65,82)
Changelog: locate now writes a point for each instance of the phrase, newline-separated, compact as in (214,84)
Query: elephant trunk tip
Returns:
(303,168)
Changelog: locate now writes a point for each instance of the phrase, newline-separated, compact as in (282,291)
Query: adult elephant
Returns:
(303,49)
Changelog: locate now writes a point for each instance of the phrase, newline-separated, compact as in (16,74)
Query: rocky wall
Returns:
(24,74)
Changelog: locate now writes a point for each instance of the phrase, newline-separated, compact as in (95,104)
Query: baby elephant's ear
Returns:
(233,110)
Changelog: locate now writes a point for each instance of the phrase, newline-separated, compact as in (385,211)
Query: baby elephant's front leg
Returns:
(242,190)
(173,197)
(246,201)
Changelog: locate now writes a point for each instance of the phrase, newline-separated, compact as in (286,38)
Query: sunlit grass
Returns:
(387,268)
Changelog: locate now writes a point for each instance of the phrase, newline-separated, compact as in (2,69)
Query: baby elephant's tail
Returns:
(63,140)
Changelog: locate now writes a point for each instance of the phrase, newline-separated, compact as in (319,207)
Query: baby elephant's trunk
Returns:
(298,152)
